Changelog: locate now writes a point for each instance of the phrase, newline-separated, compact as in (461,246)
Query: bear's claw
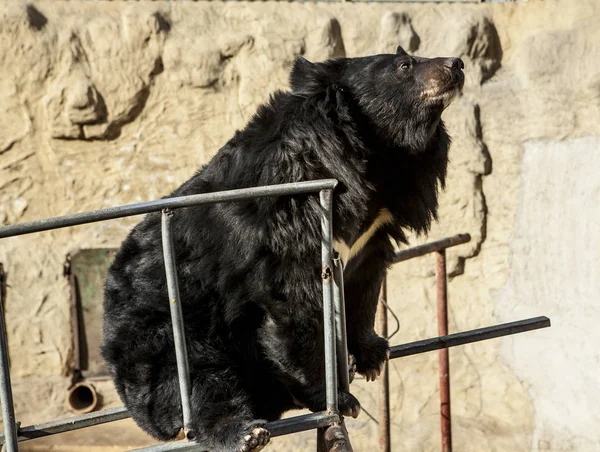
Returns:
(371,356)
(255,441)
(348,404)
(372,374)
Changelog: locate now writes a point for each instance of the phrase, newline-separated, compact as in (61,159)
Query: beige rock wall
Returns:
(107,103)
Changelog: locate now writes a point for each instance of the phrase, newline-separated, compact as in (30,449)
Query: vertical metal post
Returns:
(384,381)
(176,317)
(442,305)
(325,197)
(340,322)
(8,409)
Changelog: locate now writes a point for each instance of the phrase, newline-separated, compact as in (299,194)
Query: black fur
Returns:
(249,272)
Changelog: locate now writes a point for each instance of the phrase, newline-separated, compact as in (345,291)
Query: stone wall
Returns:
(107,103)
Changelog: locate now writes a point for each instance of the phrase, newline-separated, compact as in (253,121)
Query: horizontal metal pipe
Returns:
(166,203)
(301,423)
(309,421)
(182,445)
(467,337)
(426,248)
(70,423)
(277,428)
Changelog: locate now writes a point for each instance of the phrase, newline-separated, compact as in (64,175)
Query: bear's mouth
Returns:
(442,94)
(448,96)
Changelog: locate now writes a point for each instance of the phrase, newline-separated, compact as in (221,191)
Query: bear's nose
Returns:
(454,63)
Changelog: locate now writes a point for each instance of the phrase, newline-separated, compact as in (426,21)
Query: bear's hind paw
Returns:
(255,441)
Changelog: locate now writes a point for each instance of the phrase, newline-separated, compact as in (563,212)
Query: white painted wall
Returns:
(556,272)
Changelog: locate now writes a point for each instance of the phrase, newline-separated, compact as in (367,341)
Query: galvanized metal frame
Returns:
(326,199)
(6,398)
(183,368)
(333,315)
(330,302)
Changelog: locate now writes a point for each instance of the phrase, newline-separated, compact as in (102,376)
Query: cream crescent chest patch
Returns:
(347,252)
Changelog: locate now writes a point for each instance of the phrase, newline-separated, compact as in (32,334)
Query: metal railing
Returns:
(331,303)
(441,343)
(336,358)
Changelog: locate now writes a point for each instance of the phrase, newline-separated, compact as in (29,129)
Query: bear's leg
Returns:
(222,414)
(362,281)
(294,344)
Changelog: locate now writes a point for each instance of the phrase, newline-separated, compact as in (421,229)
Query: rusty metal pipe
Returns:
(385,443)
(442,309)
(82,398)
(384,385)
(333,438)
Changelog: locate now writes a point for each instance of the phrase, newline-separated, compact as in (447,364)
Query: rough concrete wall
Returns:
(106,103)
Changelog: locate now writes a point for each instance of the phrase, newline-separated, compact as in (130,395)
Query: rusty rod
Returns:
(442,310)
(384,381)
(333,438)
(68,274)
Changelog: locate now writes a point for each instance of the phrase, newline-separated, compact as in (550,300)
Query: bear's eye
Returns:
(405,66)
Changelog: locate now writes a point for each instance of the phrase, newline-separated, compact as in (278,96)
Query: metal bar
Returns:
(71,279)
(75,314)
(467,337)
(321,447)
(430,247)
(289,425)
(167,203)
(183,369)
(276,428)
(442,314)
(340,322)
(325,197)
(334,438)
(6,398)
(71,423)
(385,442)
(301,423)
(183,445)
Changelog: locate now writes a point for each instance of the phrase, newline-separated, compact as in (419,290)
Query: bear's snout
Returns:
(456,64)
(454,69)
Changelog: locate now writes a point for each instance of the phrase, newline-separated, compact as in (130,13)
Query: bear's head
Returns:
(400,97)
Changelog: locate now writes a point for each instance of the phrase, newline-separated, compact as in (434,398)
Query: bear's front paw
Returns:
(254,441)
(371,355)
(348,404)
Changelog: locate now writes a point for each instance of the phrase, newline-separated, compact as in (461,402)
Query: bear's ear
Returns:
(310,78)
(400,51)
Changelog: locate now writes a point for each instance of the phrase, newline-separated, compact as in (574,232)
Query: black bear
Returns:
(249,272)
